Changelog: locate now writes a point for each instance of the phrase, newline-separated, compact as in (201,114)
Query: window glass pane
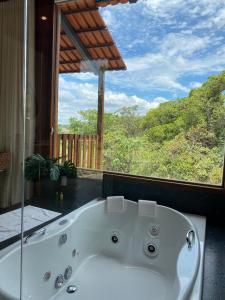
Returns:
(12,141)
(165,114)
(170,116)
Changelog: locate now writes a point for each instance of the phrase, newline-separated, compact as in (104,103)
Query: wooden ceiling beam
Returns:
(106,45)
(84,61)
(75,40)
(87,30)
(79,10)
(106,69)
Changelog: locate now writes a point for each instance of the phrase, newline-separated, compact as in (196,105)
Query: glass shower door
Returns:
(13,98)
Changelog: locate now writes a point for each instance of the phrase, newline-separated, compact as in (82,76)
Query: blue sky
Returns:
(169,47)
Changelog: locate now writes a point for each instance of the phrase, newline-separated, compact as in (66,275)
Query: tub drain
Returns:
(71,289)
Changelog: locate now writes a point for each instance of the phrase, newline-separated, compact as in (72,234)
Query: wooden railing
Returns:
(80,149)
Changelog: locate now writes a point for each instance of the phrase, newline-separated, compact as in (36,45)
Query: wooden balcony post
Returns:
(100,121)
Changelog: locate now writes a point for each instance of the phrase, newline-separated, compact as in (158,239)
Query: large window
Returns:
(165,115)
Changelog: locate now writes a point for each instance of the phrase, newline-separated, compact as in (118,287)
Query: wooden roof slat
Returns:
(74,22)
(100,53)
(71,55)
(78,70)
(67,41)
(99,21)
(87,30)
(70,48)
(91,38)
(81,4)
(90,20)
(76,41)
(107,53)
(107,36)
(99,37)
(85,39)
(68,62)
(79,10)
(103,3)
(79,19)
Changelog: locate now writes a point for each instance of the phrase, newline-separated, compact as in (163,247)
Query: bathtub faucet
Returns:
(38,232)
(190,237)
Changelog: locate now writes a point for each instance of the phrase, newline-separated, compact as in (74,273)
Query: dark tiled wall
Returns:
(185,198)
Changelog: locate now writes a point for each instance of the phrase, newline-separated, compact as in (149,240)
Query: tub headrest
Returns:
(147,208)
(115,204)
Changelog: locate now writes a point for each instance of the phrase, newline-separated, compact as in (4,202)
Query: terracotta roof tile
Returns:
(88,25)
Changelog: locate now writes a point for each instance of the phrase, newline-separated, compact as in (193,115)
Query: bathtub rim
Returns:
(75,214)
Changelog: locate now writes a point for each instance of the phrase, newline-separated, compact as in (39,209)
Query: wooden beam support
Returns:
(54,141)
(87,30)
(65,49)
(110,69)
(100,120)
(74,38)
(107,45)
(79,61)
(80,10)
(44,46)
(71,62)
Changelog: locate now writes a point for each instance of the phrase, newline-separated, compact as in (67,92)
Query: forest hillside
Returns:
(181,139)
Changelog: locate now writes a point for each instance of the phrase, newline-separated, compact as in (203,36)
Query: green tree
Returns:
(85,124)
(181,139)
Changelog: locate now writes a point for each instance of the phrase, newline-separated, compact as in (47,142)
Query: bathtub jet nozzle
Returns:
(71,289)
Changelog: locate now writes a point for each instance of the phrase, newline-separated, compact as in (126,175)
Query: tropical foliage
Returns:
(38,167)
(181,139)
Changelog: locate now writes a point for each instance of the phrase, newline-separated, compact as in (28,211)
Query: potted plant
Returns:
(45,173)
(67,170)
(38,167)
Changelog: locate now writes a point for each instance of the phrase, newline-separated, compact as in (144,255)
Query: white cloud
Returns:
(108,17)
(178,55)
(183,44)
(163,69)
(219,20)
(157,101)
(81,96)
(115,101)
(163,8)
(88,76)
(167,47)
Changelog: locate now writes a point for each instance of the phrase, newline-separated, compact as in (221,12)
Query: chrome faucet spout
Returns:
(190,237)
(38,232)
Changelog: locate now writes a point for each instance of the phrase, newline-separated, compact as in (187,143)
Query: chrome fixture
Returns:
(68,272)
(63,239)
(115,237)
(151,248)
(71,289)
(38,232)
(59,281)
(154,230)
(190,237)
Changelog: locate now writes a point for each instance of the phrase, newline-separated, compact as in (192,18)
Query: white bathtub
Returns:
(103,269)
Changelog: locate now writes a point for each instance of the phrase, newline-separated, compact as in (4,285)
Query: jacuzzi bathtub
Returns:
(114,256)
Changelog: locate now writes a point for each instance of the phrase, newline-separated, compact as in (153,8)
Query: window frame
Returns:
(109,177)
(185,197)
